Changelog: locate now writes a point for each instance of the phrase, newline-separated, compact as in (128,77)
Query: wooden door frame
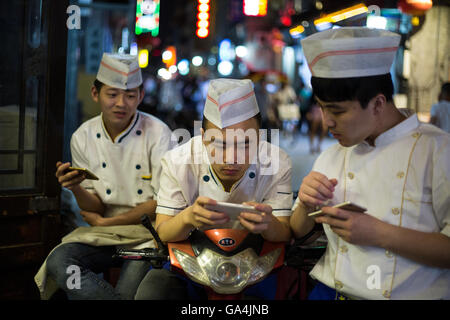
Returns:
(38,211)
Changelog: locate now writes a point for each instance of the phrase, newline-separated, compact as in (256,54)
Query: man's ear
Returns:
(379,104)
(94,93)
(141,95)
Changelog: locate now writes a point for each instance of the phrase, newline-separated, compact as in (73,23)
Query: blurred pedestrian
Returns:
(440,112)
(288,109)
(317,127)
(305,101)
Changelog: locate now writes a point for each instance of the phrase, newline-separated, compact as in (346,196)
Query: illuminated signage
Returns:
(255,7)
(203,19)
(169,56)
(341,15)
(147,16)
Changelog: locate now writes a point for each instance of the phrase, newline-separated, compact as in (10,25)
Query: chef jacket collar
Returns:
(217,181)
(125,132)
(400,130)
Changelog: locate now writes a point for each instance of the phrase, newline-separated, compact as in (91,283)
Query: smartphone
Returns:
(89,175)
(231,209)
(348,205)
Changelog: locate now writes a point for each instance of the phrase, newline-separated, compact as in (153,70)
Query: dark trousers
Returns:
(91,261)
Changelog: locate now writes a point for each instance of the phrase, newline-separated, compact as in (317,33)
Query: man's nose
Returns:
(234,155)
(120,100)
(229,155)
(327,119)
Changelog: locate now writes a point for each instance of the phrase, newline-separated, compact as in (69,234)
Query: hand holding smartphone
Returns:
(348,205)
(88,174)
(233,210)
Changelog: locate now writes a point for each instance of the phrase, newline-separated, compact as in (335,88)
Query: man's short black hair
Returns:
(98,85)
(256,116)
(445,91)
(362,89)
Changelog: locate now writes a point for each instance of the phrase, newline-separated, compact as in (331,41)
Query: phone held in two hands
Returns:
(231,209)
(348,205)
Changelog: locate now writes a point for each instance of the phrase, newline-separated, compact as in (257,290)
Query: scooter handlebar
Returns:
(145,220)
(148,254)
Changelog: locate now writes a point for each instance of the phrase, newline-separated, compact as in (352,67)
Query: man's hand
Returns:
(354,227)
(68,179)
(198,216)
(316,189)
(257,222)
(93,218)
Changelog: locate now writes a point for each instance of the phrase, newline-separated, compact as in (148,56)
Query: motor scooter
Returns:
(224,261)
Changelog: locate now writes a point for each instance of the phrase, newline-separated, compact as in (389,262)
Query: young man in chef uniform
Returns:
(386,161)
(123,147)
(210,167)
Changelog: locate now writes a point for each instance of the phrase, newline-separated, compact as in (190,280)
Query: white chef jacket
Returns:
(187,174)
(404,180)
(125,165)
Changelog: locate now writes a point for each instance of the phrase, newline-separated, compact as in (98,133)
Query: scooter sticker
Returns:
(227,242)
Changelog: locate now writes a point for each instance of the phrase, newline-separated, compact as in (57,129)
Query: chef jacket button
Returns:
(338,285)
(415,134)
(388,254)
(140,191)
(104,164)
(351,175)
(343,249)
(98,135)
(400,174)
(108,191)
(138,132)
(395,211)
(138,166)
(206,178)
(386,294)
(252,175)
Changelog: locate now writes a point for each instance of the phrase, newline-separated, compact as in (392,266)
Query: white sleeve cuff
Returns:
(284,212)
(169,210)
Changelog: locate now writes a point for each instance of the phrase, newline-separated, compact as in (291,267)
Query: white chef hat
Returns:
(350,52)
(230,101)
(120,71)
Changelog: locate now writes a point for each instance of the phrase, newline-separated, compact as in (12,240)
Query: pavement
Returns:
(297,147)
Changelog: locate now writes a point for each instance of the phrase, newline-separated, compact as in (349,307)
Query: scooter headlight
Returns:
(227,272)
(227,275)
